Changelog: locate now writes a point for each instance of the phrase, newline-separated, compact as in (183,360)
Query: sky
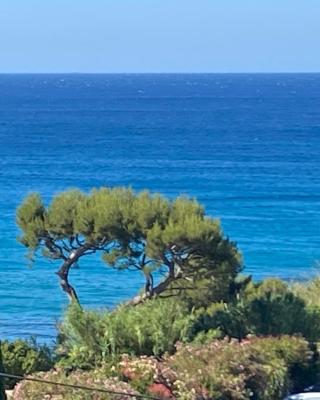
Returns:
(159,36)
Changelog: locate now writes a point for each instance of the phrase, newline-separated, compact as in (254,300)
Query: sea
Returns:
(247,146)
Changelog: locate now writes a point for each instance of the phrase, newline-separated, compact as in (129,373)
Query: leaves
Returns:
(152,328)
(62,214)
(143,231)
(30,218)
(22,357)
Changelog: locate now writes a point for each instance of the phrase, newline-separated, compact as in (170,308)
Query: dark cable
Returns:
(80,387)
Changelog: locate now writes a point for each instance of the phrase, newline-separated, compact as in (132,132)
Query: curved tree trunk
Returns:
(63,274)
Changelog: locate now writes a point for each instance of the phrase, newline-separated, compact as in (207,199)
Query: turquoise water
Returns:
(246,145)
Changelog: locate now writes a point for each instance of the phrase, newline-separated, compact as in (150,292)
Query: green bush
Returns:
(22,357)
(270,307)
(300,357)
(88,337)
(308,291)
(258,368)
(230,319)
(273,309)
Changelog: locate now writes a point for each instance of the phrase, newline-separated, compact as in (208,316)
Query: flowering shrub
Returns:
(256,368)
(27,390)
(141,372)
(24,357)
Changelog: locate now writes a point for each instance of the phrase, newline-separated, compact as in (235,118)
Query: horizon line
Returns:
(159,73)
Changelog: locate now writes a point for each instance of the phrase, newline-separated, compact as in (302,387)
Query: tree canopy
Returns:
(171,242)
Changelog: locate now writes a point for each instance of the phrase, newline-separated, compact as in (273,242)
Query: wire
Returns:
(80,387)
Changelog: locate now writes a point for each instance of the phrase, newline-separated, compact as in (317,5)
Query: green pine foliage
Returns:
(148,233)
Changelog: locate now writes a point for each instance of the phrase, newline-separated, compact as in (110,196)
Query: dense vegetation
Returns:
(259,368)
(199,330)
(259,346)
(147,233)
(271,307)
(24,357)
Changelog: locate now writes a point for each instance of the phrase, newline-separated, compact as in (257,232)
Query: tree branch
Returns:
(54,248)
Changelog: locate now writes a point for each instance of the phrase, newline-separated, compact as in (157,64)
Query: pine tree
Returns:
(176,247)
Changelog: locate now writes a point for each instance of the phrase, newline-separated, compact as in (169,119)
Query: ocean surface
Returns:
(247,146)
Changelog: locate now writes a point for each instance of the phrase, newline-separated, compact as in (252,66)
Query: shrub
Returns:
(27,390)
(308,291)
(255,369)
(270,307)
(299,357)
(259,368)
(229,319)
(87,338)
(24,357)
(273,309)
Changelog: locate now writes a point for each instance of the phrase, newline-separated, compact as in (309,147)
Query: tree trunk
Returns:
(160,288)
(63,274)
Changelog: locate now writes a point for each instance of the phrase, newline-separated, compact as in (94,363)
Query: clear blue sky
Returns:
(159,35)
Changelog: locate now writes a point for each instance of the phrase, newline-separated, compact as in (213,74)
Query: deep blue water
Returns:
(247,146)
